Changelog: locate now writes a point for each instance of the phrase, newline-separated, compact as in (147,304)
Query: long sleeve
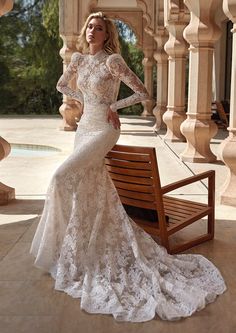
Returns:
(68,75)
(119,69)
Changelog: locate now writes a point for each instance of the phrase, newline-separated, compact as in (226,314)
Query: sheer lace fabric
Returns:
(85,239)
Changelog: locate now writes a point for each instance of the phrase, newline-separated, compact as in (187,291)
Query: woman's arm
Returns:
(67,76)
(119,68)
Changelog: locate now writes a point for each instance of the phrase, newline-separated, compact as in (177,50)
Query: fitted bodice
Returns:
(95,80)
(98,78)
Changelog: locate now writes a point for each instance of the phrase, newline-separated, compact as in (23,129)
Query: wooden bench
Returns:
(223,121)
(134,171)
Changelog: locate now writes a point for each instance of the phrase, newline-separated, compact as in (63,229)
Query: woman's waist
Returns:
(97,112)
(91,105)
(93,122)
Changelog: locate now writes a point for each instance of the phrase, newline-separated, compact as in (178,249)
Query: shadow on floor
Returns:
(23,207)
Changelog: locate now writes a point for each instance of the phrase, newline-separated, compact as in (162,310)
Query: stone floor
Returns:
(28,301)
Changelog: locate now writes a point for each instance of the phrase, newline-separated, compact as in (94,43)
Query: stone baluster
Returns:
(148,62)
(5,6)
(177,18)
(7,193)
(228,146)
(161,58)
(70,109)
(201,33)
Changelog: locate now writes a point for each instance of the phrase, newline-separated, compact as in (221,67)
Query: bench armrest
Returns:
(207,174)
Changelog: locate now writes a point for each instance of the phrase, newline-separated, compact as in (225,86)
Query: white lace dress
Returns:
(85,238)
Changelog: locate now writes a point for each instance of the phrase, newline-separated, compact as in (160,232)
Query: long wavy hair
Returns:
(111,44)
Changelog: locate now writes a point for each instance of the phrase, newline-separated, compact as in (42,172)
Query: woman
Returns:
(85,238)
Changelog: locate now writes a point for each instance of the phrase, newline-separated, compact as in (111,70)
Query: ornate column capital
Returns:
(148,9)
(229,8)
(202,29)
(160,36)
(176,19)
(69,26)
(202,32)
(175,11)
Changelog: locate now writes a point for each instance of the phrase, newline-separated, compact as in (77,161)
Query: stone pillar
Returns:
(161,58)
(201,33)
(148,62)
(5,6)
(6,193)
(177,17)
(228,146)
(68,10)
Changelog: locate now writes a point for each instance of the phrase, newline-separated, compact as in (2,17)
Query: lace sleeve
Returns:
(119,68)
(67,76)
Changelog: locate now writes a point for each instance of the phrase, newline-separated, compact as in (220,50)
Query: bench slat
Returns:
(129,164)
(134,171)
(134,187)
(131,172)
(131,179)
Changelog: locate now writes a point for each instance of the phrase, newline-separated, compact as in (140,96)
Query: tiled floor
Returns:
(28,301)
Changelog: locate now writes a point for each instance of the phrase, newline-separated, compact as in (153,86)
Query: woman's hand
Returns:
(113,118)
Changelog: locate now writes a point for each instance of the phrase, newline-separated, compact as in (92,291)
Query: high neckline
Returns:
(96,54)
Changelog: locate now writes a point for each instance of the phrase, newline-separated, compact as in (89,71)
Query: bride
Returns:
(85,239)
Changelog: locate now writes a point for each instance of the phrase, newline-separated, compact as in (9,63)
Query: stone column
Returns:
(5,6)
(228,146)
(161,58)
(148,62)
(68,10)
(201,33)
(177,17)
(7,193)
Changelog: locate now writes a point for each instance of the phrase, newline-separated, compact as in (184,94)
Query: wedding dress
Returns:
(85,239)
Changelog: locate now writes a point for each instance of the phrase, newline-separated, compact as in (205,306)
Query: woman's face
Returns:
(96,32)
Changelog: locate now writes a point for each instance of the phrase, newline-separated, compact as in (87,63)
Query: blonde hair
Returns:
(111,44)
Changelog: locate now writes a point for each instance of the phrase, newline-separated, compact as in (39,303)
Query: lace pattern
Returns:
(68,75)
(85,239)
(98,77)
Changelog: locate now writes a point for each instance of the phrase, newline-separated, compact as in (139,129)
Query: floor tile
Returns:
(29,233)
(29,324)
(18,265)
(13,231)
(30,298)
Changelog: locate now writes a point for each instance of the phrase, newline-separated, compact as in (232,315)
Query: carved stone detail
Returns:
(7,193)
(161,58)
(201,33)
(70,109)
(133,21)
(148,8)
(5,6)
(148,62)
(228,146)
(177,17)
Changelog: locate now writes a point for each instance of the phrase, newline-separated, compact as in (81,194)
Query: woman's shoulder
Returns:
(114,61)
(76,57)
(114,57)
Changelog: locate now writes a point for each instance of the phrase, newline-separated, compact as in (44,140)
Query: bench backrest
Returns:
(134,172)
